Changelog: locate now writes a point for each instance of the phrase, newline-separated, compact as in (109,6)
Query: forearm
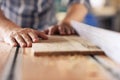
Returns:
(5,24)
(14,35)
(75,12)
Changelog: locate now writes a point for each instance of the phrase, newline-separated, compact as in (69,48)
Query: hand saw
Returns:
(107,40)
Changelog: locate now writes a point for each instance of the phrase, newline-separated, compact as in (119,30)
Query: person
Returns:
(22,21)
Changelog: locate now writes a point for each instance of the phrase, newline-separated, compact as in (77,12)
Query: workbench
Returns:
(62,67)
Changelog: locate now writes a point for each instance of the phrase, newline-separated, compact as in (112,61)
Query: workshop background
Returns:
(103,13)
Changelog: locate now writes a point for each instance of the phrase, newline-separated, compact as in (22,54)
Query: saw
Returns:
(107,40)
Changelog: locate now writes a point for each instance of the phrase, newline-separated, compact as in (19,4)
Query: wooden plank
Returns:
(4,54)
(12,69)
(64,45)
(110,66)
(77,67)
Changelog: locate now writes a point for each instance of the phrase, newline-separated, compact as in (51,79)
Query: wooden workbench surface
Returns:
(63,67)
(77,67)
(4,54)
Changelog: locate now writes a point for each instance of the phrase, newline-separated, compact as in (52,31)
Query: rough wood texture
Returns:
(75,67)
(64,45)
(4,54)
(109,65)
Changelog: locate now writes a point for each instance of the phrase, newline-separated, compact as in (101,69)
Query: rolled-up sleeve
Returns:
(85,2)
(0,2)
(73,1)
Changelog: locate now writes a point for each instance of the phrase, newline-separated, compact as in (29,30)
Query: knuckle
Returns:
(34,35)
(14,44)
(28,40)
(13,34)
(25,30)
(23,44)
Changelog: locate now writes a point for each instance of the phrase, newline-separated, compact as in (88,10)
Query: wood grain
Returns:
(109,65)
(77,67)
(4,54)
(64,45)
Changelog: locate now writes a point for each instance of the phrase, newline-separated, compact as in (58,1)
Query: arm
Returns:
(76,12)
(5,25)
(15,35)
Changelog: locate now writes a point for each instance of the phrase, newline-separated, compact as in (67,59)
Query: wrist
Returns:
(7,27)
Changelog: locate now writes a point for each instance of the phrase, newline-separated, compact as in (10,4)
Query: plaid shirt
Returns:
(31,13)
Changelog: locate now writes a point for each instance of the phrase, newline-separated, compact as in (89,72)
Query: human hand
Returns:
(24,37)
(62,29)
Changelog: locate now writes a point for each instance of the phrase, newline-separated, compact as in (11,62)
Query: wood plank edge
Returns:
(68,53)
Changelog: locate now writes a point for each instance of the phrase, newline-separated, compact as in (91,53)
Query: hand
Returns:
(62,29)
(23,37)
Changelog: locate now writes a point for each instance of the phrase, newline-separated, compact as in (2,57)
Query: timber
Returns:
(64,45)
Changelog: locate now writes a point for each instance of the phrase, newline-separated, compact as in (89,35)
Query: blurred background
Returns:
(102,13)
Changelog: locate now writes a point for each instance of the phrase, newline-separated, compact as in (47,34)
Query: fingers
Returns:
(61,30)
(68,31)
(53,30)
(41,35)
(46,31)
(33,36)
(24,37)
(12,42)
(27,39)
(73,31)
(20,41)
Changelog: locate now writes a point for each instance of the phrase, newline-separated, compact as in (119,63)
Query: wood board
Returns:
(75,67)
(64,45)
(4,54)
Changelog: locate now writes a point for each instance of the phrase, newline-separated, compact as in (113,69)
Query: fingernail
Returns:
(35,40)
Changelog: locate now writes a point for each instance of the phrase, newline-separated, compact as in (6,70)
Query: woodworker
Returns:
(22,21)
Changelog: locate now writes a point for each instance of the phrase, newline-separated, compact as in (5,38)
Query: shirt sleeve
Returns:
(85,2)
(73,1)
(0,3)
